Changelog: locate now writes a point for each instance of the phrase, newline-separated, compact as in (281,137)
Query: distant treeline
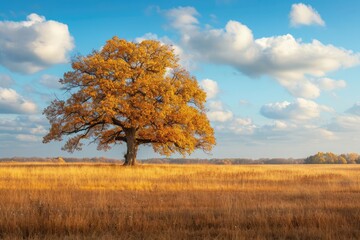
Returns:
(319,158)
(331,158)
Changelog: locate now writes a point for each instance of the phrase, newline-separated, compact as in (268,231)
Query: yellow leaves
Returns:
(132,85)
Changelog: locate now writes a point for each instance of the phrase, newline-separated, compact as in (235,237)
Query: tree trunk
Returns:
(130,156)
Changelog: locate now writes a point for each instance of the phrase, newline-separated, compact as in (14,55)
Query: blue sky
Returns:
(282,77)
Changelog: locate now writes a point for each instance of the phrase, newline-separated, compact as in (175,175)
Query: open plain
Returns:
(109,201)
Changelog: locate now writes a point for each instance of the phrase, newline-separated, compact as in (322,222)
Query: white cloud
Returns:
(310,88)
(217,113)
(328,84)
(50,81)
(301,109)
(11,102)
(291,62)
(35,44)
(210,87)
(302,14)
(6,81)
(300,87)
(184,18)
(220,115)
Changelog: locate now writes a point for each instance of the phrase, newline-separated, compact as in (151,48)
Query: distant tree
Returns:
(133,93)
(351,158)
(341,160)
(331,157)
(318,158)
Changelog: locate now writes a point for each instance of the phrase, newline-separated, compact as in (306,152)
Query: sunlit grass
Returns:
(109,201)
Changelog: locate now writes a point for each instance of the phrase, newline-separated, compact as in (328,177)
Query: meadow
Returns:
(109,201)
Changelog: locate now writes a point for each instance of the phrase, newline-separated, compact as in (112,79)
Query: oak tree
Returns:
(133,93)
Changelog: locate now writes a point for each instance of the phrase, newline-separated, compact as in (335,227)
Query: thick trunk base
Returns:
(129,162)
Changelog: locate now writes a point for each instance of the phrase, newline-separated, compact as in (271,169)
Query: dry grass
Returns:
(104,201)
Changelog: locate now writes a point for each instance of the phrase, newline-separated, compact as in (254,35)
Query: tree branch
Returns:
(117,122)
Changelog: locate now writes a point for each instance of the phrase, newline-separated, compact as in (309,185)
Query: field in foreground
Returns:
(107,201)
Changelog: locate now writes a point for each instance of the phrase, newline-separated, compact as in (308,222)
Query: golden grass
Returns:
(108,201)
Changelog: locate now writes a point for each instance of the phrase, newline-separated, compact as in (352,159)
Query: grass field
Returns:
(107,201)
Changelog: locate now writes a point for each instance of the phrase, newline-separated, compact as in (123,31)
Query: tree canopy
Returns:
(133,93)
(331,158)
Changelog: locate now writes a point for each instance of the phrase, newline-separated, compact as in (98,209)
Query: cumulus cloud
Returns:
(217,112)
(291,62)
(300,87)
(50,81)
(302,14)
(13,103)
(210,87)
(301,109)
(6,81)
(34,44)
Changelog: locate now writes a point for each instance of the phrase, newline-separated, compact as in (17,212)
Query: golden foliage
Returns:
(131,91)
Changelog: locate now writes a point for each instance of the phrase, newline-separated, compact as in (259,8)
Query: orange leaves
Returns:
(131,85)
